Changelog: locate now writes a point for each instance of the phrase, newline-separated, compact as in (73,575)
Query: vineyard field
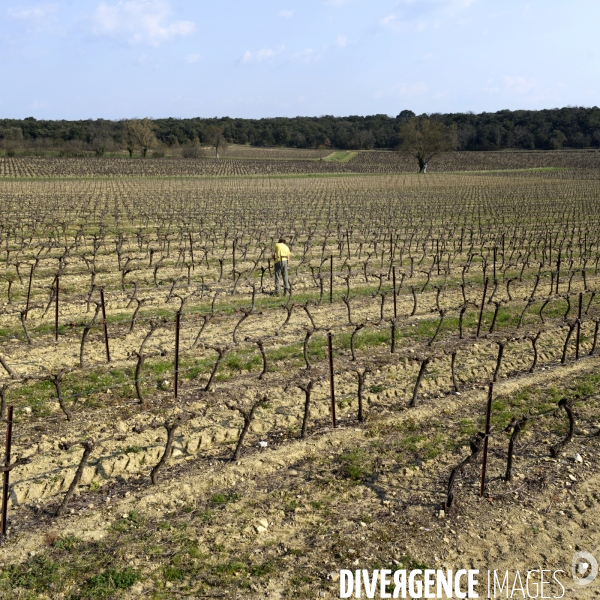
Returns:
(241,161)
(173,416)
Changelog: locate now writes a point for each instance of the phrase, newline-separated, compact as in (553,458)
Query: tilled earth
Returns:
(289,513)
(129,438)
(283,520)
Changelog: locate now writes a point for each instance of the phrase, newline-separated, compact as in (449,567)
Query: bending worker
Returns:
(281,254)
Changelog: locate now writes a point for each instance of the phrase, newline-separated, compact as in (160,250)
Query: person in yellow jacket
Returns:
(281,255)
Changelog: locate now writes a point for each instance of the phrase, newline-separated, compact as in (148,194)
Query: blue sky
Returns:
(78,59)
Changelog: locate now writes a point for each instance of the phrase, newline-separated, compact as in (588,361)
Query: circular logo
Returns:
(584,562)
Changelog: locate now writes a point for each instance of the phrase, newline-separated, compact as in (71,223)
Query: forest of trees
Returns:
(570,127)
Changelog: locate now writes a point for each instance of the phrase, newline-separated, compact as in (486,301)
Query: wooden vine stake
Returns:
(331,383)
(393,331)
(485,285)
(29,290)
(176,374)
(192,251)
(361,384)
(9,424)
(56,312)
(105,326)
(331,279)
(578,333)
(488,415)
(394,286)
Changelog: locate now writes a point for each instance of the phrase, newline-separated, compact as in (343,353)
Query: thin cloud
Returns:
(286,14)
(192,58)
(412,89)
(341,41)
(449,6)
(418,16)
(519,85)
(337,3)
(33,12)
(404,90)
(140,21)
(260,55)
(309,55)
(490,88)
(397,24)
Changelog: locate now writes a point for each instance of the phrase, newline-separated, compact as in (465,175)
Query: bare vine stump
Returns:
(88,447)
(361,384)
(476,445)
(555,450)
(247,415)
(420,376)
(171,427)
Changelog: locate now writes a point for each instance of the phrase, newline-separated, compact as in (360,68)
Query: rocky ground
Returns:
(284,519)
(281,519)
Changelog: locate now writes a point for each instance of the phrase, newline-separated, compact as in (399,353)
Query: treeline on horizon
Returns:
(551,129)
